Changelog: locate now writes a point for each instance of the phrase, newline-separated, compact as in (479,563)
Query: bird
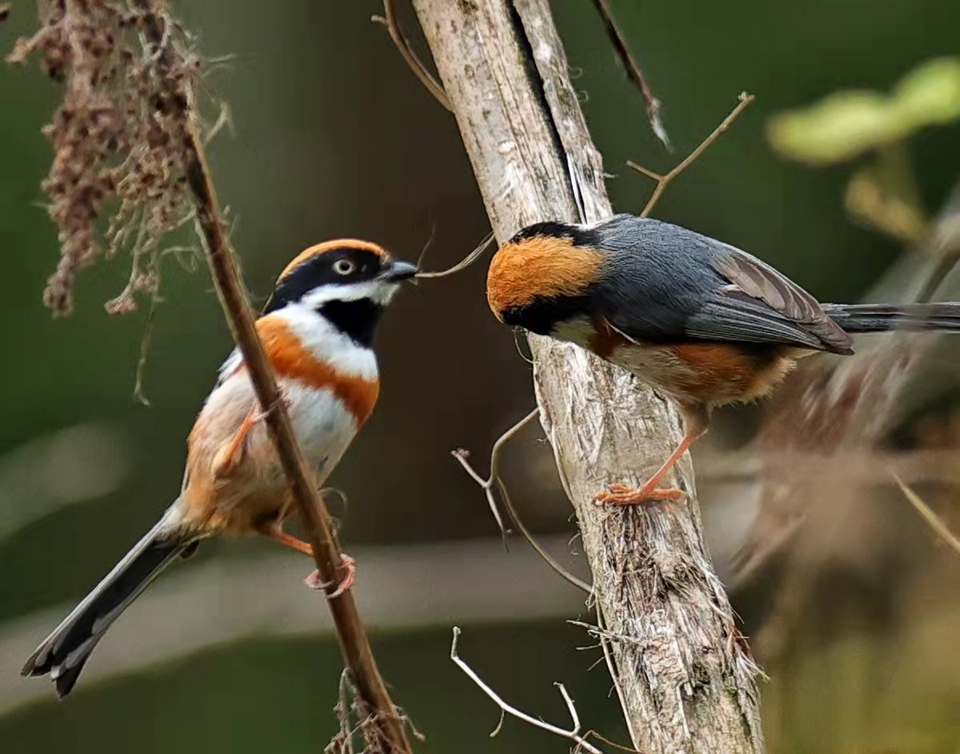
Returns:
(317,329)
(698,320)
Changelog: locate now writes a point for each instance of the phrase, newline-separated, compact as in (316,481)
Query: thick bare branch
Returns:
(685,679)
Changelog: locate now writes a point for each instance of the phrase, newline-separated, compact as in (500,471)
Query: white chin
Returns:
(386,293)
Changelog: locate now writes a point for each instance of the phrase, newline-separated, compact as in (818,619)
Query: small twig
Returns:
(572,735)
(608,742)
(472,257)
(664,180)
(390,20)
(634,71)
(930,516)
(494,479)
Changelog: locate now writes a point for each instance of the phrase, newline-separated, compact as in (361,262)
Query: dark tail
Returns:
(884,317)
(64,652)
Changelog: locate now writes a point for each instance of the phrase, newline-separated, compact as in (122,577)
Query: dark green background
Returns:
(334,137)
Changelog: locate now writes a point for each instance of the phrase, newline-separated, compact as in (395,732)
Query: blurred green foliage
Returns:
(845,124)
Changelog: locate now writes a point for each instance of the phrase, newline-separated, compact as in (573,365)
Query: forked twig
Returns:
(572,735)
(664,180)
(930,516)
(390,20)
(634,71)
(468,260)
(494,479)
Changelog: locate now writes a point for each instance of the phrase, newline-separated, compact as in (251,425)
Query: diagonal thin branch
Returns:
(930,516)
(664,180)
(233,298)
(390,20)
(634,71)
(573,734)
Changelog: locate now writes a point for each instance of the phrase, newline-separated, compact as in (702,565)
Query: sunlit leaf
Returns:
(848,123)
(930,94)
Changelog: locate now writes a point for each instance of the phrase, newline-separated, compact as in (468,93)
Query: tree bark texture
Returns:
(683,672)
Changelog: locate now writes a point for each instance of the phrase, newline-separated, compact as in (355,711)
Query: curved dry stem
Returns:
(313,512)
(390,20)
(494,479)
(468,260)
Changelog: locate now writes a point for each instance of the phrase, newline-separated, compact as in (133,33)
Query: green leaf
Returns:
(848,123)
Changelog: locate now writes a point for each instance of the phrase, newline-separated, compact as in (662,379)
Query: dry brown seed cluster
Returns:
(117,178)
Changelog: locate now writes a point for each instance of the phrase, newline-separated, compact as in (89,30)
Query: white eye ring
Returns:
(344,267)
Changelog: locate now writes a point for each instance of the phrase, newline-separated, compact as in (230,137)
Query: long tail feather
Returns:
(885,317)
(64,652)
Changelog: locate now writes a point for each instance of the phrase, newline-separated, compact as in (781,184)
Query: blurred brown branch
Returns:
(506,75)
(845,407)
(634,71)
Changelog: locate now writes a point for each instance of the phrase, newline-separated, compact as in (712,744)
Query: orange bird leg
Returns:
(229,456)
(621,494)
(279,535)
(348,564)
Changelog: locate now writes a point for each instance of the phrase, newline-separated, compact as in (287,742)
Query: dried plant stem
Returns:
(634,71)
(494,479)
(390,20)
(313,512)
(664,180)
(935,522)
(573,734)
(468,260)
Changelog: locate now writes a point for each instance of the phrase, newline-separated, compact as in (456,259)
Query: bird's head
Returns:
(347,281)
(542,276)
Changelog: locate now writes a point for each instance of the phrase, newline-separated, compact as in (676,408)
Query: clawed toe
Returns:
(349,565)
(621,494)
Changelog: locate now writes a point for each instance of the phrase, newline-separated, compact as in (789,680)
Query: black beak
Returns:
(399,270)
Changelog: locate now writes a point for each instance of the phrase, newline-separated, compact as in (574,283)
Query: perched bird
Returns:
(317,330)
(698,320)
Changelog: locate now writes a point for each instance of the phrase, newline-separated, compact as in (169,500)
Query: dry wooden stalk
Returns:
(685,679)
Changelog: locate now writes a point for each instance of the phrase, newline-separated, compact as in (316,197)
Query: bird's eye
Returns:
(344,266)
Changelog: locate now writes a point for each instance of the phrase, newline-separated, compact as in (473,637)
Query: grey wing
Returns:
(686,286)
(764,302)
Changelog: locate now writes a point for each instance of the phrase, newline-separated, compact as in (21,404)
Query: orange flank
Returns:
(540,267)
(323,248)
(728,373)
(290,360)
